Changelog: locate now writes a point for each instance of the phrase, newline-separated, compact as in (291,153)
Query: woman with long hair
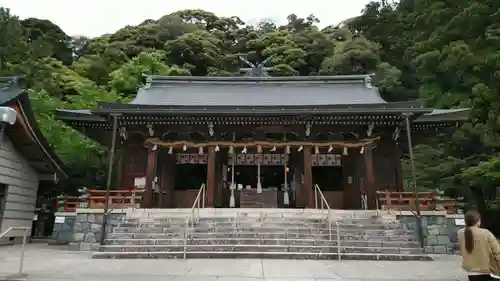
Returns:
(480,250)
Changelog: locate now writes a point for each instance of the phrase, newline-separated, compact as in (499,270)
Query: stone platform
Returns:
(262,233)
(81,230)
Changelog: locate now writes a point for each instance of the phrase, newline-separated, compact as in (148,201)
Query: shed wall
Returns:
(21,183)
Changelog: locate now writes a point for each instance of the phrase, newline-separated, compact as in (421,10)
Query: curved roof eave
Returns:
(445,115)
(78,115)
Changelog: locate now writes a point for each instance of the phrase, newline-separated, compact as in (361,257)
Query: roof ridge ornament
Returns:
(149,81)
(368,81)
(12,81)
(259,70)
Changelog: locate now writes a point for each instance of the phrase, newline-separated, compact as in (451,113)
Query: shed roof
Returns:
(25,135)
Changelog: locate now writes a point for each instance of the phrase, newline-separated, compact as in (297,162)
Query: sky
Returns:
(96,17)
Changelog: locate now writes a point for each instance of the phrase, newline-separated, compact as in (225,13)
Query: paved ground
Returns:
(44,262)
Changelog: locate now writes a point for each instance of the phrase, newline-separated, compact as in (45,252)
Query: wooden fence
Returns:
(405,201)
(96,199)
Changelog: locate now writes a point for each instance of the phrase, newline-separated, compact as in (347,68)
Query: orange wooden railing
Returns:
(404,201)
(70,203)
(450,205)
(118,199)
(96,199)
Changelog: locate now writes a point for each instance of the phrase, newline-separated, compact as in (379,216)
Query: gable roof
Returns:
(24,134)
(265,96)
(258,91)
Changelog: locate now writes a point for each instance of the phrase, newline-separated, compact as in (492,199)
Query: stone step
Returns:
(304,228)
(166,224)
(260,241)
(264,255)
(257,248)
(261,218)
(266,229)
(250,211)
(265,235)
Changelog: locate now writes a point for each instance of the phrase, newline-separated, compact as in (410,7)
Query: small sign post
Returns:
(140,183)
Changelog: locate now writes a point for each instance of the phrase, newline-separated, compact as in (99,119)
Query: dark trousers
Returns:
(484,277)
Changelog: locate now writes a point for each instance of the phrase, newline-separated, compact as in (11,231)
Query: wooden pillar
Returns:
(350,180)
(167,180)
(369,183)
(150,175)
(210,187)
(170,188)
(398,169)
(308,180)
(221,159)
(119,169)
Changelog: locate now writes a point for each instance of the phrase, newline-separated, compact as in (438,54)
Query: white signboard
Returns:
(460,222)
(140,182)
(59,219)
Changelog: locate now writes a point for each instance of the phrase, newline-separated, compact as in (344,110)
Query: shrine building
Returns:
(260,141)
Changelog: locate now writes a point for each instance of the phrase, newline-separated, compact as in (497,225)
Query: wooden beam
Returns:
(48,177)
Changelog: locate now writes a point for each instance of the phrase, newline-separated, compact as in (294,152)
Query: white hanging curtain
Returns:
(286,197)
(232,202)
(259,184)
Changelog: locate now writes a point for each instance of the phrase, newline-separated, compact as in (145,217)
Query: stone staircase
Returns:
(261,233)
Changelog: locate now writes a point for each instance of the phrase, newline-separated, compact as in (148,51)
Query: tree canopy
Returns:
(443,53)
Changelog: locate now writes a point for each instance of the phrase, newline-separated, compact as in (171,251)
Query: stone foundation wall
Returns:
(62,233)
(440,231)
(82,230)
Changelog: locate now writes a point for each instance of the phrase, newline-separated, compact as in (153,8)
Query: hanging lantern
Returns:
(217,148)
(170,150)
(244,151)
(316,150)
(362,150)
(287,150)
(259,149)
(300,148)
(184,147)
(330,149)
(345,150)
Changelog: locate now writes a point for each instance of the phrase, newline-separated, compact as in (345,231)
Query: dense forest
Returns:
(446,53)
